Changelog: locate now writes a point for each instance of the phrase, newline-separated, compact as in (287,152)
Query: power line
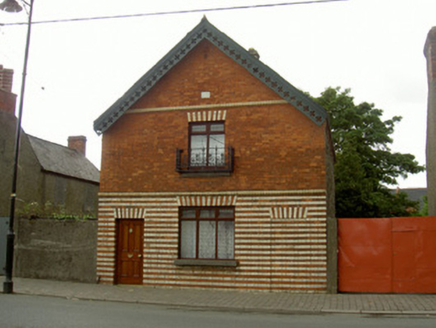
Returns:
(190,11)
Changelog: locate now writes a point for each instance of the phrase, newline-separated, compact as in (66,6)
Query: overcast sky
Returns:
(78,69)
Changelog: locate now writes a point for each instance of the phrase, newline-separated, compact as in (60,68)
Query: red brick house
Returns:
(216,173)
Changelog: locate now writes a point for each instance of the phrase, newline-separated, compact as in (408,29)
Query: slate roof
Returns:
(415,194)
(205,30)
(63,160)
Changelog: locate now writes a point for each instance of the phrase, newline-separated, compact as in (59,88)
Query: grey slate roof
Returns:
(205,30)
(63,160)
(415,194)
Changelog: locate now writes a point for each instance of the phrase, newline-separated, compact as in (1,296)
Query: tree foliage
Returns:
(365,164)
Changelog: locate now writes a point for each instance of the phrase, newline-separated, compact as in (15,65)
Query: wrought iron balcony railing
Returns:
(203,160)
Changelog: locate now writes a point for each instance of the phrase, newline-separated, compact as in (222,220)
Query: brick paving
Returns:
(274,302)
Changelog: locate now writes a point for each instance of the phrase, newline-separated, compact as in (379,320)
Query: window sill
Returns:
(196,262)
(204,174)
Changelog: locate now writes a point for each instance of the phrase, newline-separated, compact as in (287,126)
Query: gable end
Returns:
(206,30)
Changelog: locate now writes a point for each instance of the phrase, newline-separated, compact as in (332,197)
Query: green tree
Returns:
(365,164)
(424,209)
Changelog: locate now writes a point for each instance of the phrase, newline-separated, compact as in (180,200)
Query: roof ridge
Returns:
(52,142)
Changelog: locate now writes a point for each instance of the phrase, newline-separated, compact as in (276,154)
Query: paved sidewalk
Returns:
(275,302)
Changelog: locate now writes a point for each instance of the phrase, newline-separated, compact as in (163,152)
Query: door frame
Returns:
(117,278)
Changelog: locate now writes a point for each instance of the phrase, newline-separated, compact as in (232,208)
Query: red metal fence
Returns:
(395,255)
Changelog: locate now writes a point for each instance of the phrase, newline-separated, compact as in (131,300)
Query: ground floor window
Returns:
(207,233)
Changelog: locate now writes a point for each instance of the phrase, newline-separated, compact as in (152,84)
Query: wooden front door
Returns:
(130,235)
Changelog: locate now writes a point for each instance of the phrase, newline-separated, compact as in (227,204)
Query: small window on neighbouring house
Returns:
(207,233)
(206,144)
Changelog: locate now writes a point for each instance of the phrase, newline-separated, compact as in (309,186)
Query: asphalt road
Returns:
(21,311)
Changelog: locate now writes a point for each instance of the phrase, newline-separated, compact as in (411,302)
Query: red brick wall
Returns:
(276,146)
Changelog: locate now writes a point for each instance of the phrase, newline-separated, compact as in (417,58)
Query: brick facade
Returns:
(280,186)
(280,239)
(265,156)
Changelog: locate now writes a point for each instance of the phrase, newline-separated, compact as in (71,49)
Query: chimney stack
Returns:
(78,143)
(7,98)
(7,102)
(6,76)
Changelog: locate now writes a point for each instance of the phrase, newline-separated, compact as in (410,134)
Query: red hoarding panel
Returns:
(415,273)
(404,251)
(424,223)
(387,255)
(365,255)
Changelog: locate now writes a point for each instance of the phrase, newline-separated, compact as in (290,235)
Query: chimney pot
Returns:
(7,102)
(254,53)
(78,143)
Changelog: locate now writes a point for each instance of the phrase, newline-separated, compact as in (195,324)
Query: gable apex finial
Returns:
(204,19)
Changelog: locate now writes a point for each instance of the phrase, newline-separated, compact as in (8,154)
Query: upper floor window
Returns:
(206,144)
(206,151)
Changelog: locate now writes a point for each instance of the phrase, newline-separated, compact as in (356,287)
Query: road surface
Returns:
(22,311)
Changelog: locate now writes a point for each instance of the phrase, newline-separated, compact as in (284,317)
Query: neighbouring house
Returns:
(216,173)
(413,194)
(430,55)
(48,172)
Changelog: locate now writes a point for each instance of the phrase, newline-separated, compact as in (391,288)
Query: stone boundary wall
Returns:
(56,249)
